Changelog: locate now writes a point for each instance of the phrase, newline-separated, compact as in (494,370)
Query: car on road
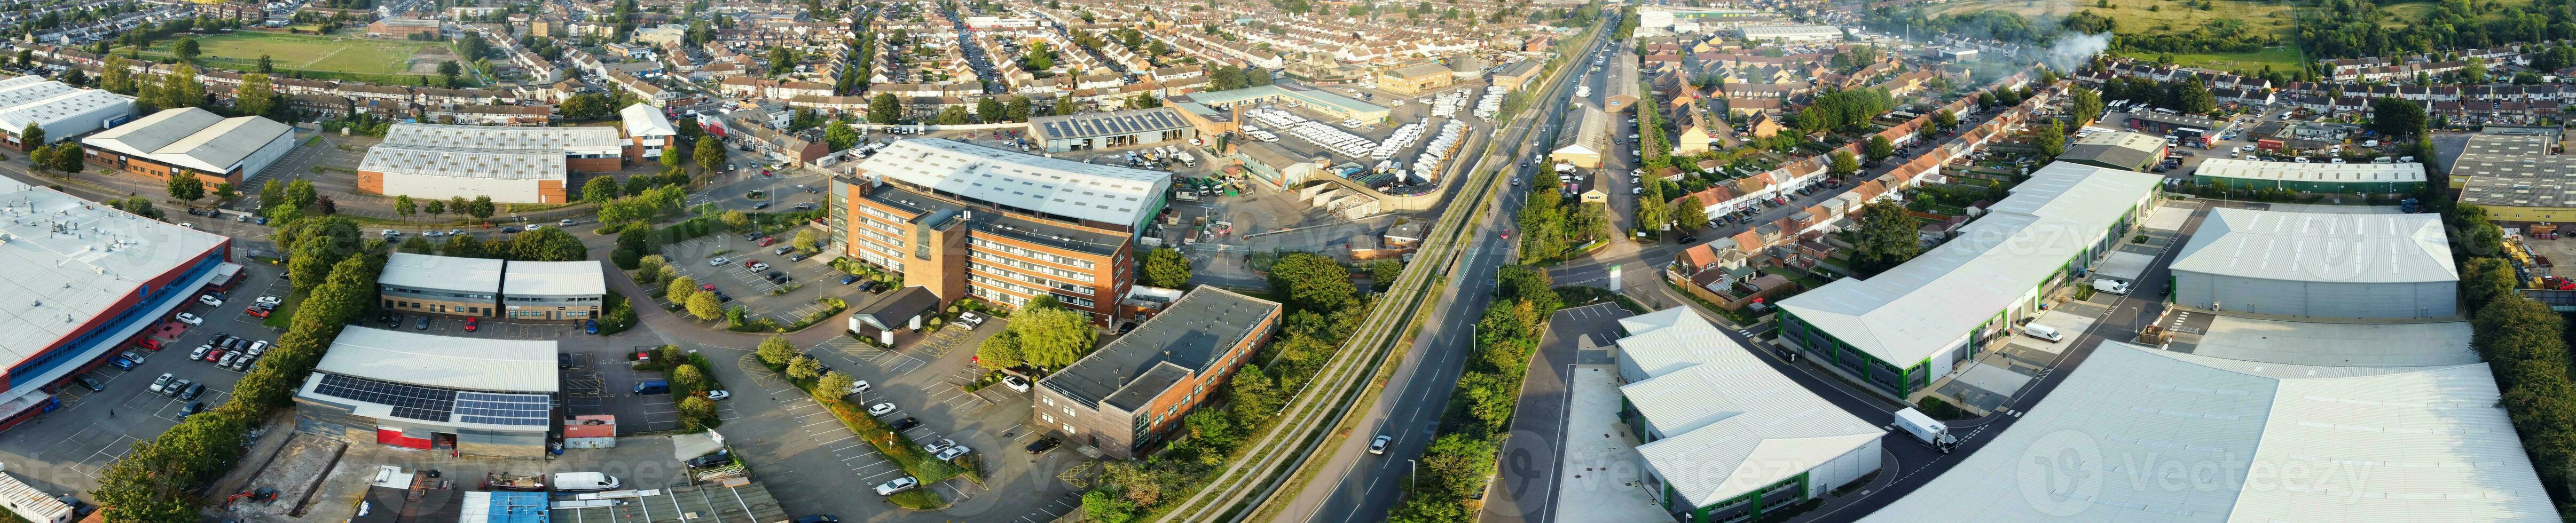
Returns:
(1507,234)
(819,518)
(533,227)
(162,383)
(187,318)
(509,229)
(880,409)
(563,223)
(761,205)
(210,300)
(898,485)
(804,207)
(1043,444)
(1378,446)
(719,394)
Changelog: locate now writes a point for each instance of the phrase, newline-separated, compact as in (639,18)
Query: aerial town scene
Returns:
(1291,261)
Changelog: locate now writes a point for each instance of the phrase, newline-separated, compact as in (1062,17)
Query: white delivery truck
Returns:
(585,481)
(1187,159)
(1931,431)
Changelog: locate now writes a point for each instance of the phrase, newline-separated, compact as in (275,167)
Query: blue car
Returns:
(846,280)
(591,326)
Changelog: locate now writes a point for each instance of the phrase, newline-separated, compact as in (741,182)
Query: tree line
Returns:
(1456,466)
(2525,345)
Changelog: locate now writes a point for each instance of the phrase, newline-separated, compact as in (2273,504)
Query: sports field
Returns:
(241,50)
(2141,17)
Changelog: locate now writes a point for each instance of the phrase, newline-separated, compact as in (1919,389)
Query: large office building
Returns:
(1902,328)
(1132,392)
(1726,436)
(474,396)
(2319,264)
(2515,178)
(2341,178)
(2346,428)
(490,288)
(1110,130)
(508,164)
(1003,226)
(85,279)
(61,110)
(192,142)
(1312,99)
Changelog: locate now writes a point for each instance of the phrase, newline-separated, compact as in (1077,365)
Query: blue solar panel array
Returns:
(503,409)
(438,404)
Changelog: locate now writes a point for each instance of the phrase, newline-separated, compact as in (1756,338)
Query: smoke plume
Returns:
(2072,51)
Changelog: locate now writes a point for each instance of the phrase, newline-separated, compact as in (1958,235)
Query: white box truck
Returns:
(585,481)
(1931,431)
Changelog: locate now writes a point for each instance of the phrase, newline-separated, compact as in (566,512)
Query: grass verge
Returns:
(284,315)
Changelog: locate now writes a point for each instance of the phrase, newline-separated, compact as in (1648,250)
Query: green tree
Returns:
(308,264)
(2396,117)
(186,187)
(1843,165)
(988,110)
(2085,106)
(1879,148)
(1312,282)
(688,377)
(1689,213)
(256,96)
(773,350)
(2192,97)
(710,155)
(267,66)
(480,208)
(697,412)
(839,136)
(2052,139)
(1945,119)
(1052,337)
(301,195)
(1064,105)
(447,71)
(806,239)
(884,109)
(834,381)
(1016,110)
(187,48)
(463,245)
(1100,506)
(32,135)
(417,244)
(433,207)
(599,190)
(403,205)
(704,306)
(1165,267)
(1000,351)
(1884,238)
(804,368)
(272,192)
(224,193)
(953,115)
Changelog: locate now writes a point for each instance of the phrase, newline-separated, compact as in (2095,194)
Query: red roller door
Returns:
(394,436)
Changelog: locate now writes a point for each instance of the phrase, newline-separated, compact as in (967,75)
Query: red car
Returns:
(706,286)
(765,242)
(1507,234)
(470,323)
(150,343)
(213,355)
(257,313)
(748,263)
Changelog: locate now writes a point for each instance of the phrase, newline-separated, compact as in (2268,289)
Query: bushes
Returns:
(618,316)
(2524,344)
(1456,466)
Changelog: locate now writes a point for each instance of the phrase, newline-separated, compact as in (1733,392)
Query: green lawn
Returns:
(2134,16)
(2280,58)
(340,54)
(285,313)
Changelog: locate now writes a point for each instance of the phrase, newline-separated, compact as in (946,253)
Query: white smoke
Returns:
(2072,51)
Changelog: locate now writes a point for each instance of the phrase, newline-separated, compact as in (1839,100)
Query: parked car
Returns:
(192,391)
(192,409)
(201,351)
(471,323)
(162,383)
(421,323)
(846,280)
(880,409)
(720,458)
(905,424)
(209,300)
(1043,444)
(951,452)
(718,261)
(242,364)
(898,485)
(227,360)
(782,249)
(718,394)
(187,318)
(1015,383)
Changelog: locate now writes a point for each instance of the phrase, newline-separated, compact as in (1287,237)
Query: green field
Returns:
(2134,16)
(327,54)
(2280,58)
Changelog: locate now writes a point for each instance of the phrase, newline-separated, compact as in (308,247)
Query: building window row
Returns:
(439,294)
(1050,284)
(1085,277)
(880,213)
(1025,253)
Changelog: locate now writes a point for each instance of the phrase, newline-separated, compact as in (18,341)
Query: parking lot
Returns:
(752,289)
(65,450)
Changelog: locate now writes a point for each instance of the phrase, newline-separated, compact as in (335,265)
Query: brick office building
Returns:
(1129,394)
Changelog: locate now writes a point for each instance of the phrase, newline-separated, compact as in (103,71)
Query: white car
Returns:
(257,347)
(718,394)
(162,383)
(718,261)
(190,319)
(209,300)
(270,301)
(858,387)
(1015,383)
(951,452)
(188,225)
(880,409)
(201,351)
(936,446)
(898,485)
(970,319)
(1378,445)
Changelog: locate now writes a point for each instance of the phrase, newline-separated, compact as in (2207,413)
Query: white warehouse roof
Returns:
(490,137)
(191,137)
(2320,247)
(1731,423)
(1017,180)
(2143,435)
(1908,313)
(486,364)
(70,261)
(2312,172)
(422,271)
(646,120)
(570,278)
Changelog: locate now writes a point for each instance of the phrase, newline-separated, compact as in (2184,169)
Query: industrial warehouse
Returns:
(1726,436)
(2319,264)
(62,111)
(507,164)
(193,142)
(1077,132)
(80,297)
(2341,178)
(475,396)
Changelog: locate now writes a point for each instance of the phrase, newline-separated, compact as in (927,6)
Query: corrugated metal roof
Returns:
(2319,247)
(191,137)
(1731,423)
(572,278)
(423,271)
(485,364)
(70,261)
(1023,181)
(2150,436)
(2311,172)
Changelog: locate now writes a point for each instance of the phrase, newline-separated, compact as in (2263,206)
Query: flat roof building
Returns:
(2341,178)
(192,142)
(478,396)
(508,164)
(2515,178)
(1725,435)
(647,130)
(1076,132)
(1590,139)
(450,285)
(61,110)
(2117,150)
(2260,440)
(1789,33)
(536,290)
(2319,264)
(85,280)
(1415,79)
(1318,100)
(1906,326)
(1133,391)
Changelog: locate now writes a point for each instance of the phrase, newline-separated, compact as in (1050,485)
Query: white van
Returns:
(2042,332)
(2111,286)
(579,481)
